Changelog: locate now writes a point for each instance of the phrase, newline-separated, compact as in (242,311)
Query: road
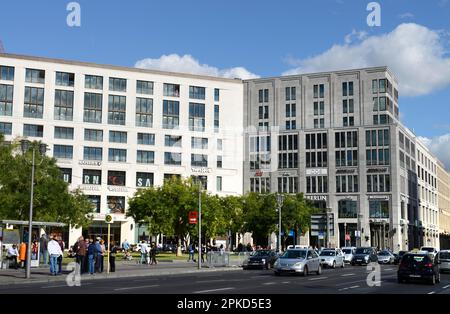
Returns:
(349,280)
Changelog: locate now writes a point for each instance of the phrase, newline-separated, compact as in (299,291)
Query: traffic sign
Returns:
(109,219)
(193,218)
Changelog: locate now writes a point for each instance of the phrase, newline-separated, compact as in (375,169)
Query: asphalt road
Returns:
(349,280)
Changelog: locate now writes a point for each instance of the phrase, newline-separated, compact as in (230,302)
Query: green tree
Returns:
(52,199)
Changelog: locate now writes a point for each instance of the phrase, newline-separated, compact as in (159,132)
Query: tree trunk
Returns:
(179,253)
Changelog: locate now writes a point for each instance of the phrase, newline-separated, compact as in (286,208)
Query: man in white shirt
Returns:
(12,256)
(54,250)
(144,250)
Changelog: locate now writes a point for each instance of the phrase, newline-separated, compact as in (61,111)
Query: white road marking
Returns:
(213,290)
(348,288)
(345,275)
(445,287)
(139,287)
(286,282)
(318,278)
(212,280)
(60,286)
(432,292)
(269,283)
(353,287)
(389,269)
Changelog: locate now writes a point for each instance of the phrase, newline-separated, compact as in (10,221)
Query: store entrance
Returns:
(98,229)
(350,228)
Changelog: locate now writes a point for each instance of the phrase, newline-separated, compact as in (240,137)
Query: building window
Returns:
(347,209)
(319,108)
(259,150)
(263,112)
(95,200)
(290,93)
(317,184)
(63,105)
(145,157)
(263,95)
(173,159)
(63,151)
(199,143)
(377,139)
(196,92)
(63,133)
(378,209)
(196,117)
(144,179)
(347,184)
(287,148)
(171,90)
(6,99)
(216,94)
(93,153)
(6,73)
(33,130)
(92,108)
(319,91)
(378,183)
(171,114)
(172,140)
(35,76)
(219,184)
(219,144)
(144,112)
(319,123)
(146,139)
(219,161)
(144,87)
(93,82)
(117,155)
(5,128)
(116,109)
(382,84)
(33,102)
(65,79)
(117,137)
(92,177)
(116,204)
(348,106)
(117,84)
(347,89)
(117,178)
(260,185)
(66,174)
(216,118)
(198,160)
(93,135)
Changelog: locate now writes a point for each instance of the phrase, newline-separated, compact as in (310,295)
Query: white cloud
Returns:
(415,53)
(406,15)
(440,146)
(359,35)
(187,64)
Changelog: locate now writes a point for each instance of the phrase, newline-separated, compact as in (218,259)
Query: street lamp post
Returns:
(200,224)
(25,146)
(280,199)
(345,234)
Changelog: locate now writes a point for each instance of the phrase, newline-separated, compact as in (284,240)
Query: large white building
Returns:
(115,129)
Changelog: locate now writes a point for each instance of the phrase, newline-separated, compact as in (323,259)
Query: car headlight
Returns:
(263,261)
(366,257)
(299,264)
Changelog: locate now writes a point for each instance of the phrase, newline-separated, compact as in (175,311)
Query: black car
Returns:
(419,266)
(260,259)
(364,256)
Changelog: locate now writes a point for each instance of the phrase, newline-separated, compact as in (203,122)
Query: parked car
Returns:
(419,266)
(296,261)
(348,253)
(431,250)
(386,257)
(364,255)
(260,259)
(444,259)
(399,256)
(332,258)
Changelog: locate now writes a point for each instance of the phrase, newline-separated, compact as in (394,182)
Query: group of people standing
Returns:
(90,255)
(148,253)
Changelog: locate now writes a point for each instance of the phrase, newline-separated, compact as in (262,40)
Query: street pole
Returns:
(30,221)
(328,231)
(280,204)
(345,234)
(199,224)
(109,247)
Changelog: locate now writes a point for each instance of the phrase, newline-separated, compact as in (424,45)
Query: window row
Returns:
(347,183)
(378,183)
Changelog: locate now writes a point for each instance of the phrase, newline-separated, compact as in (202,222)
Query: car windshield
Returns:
(428,249)
(294,254)
(261,253)
(347,251)
(362,250)
(384,253)
(328,253)
(416,259)
(444,255)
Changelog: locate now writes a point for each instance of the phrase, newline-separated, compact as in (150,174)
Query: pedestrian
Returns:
(54,250)
(43,242)
(144,250)
(98,255)
(23,254)
(191,252)
(153,254)
(81,253)
(221,249)
(103,248)
(112,256)
(125,248)
(203,252)
(60,258)
(91,252)
(13,253)
(86,260)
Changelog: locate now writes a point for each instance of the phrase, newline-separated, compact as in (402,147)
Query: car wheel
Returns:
(334,265)
(319,270)
(305,271)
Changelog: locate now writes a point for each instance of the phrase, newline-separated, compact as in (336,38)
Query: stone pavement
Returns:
(123,269)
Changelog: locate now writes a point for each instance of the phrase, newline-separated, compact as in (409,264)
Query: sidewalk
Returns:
(123,269)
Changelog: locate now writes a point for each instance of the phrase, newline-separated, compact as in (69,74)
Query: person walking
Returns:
(112,256)
(12,255)
(43,242)
(102,260)
(125,247)
(91,253)
(60,258)
(98,255)
(144,249)
(153,254)
(81,253)
(191,253)
(54,250)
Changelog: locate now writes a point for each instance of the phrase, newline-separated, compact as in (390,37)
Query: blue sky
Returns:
(267,38)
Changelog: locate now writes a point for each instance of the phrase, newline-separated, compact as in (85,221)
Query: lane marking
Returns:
(389,269)
(269,283)
(286,282)
(213,290)
(353,287)
(348,288)
(432,292)
(139,287)
(345,275)
(212,280)
(61,286)
(445,287)
(318,278)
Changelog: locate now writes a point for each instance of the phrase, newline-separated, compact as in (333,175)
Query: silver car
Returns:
(386,257)
(332,258)
(348,253)
(444,260)
(296,261)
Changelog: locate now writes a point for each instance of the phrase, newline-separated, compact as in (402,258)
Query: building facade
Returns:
(443,177)
(336,137)
(114,130)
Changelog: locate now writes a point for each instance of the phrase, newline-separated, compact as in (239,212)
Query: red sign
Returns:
(193,218)
(347,237)
(258,173)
